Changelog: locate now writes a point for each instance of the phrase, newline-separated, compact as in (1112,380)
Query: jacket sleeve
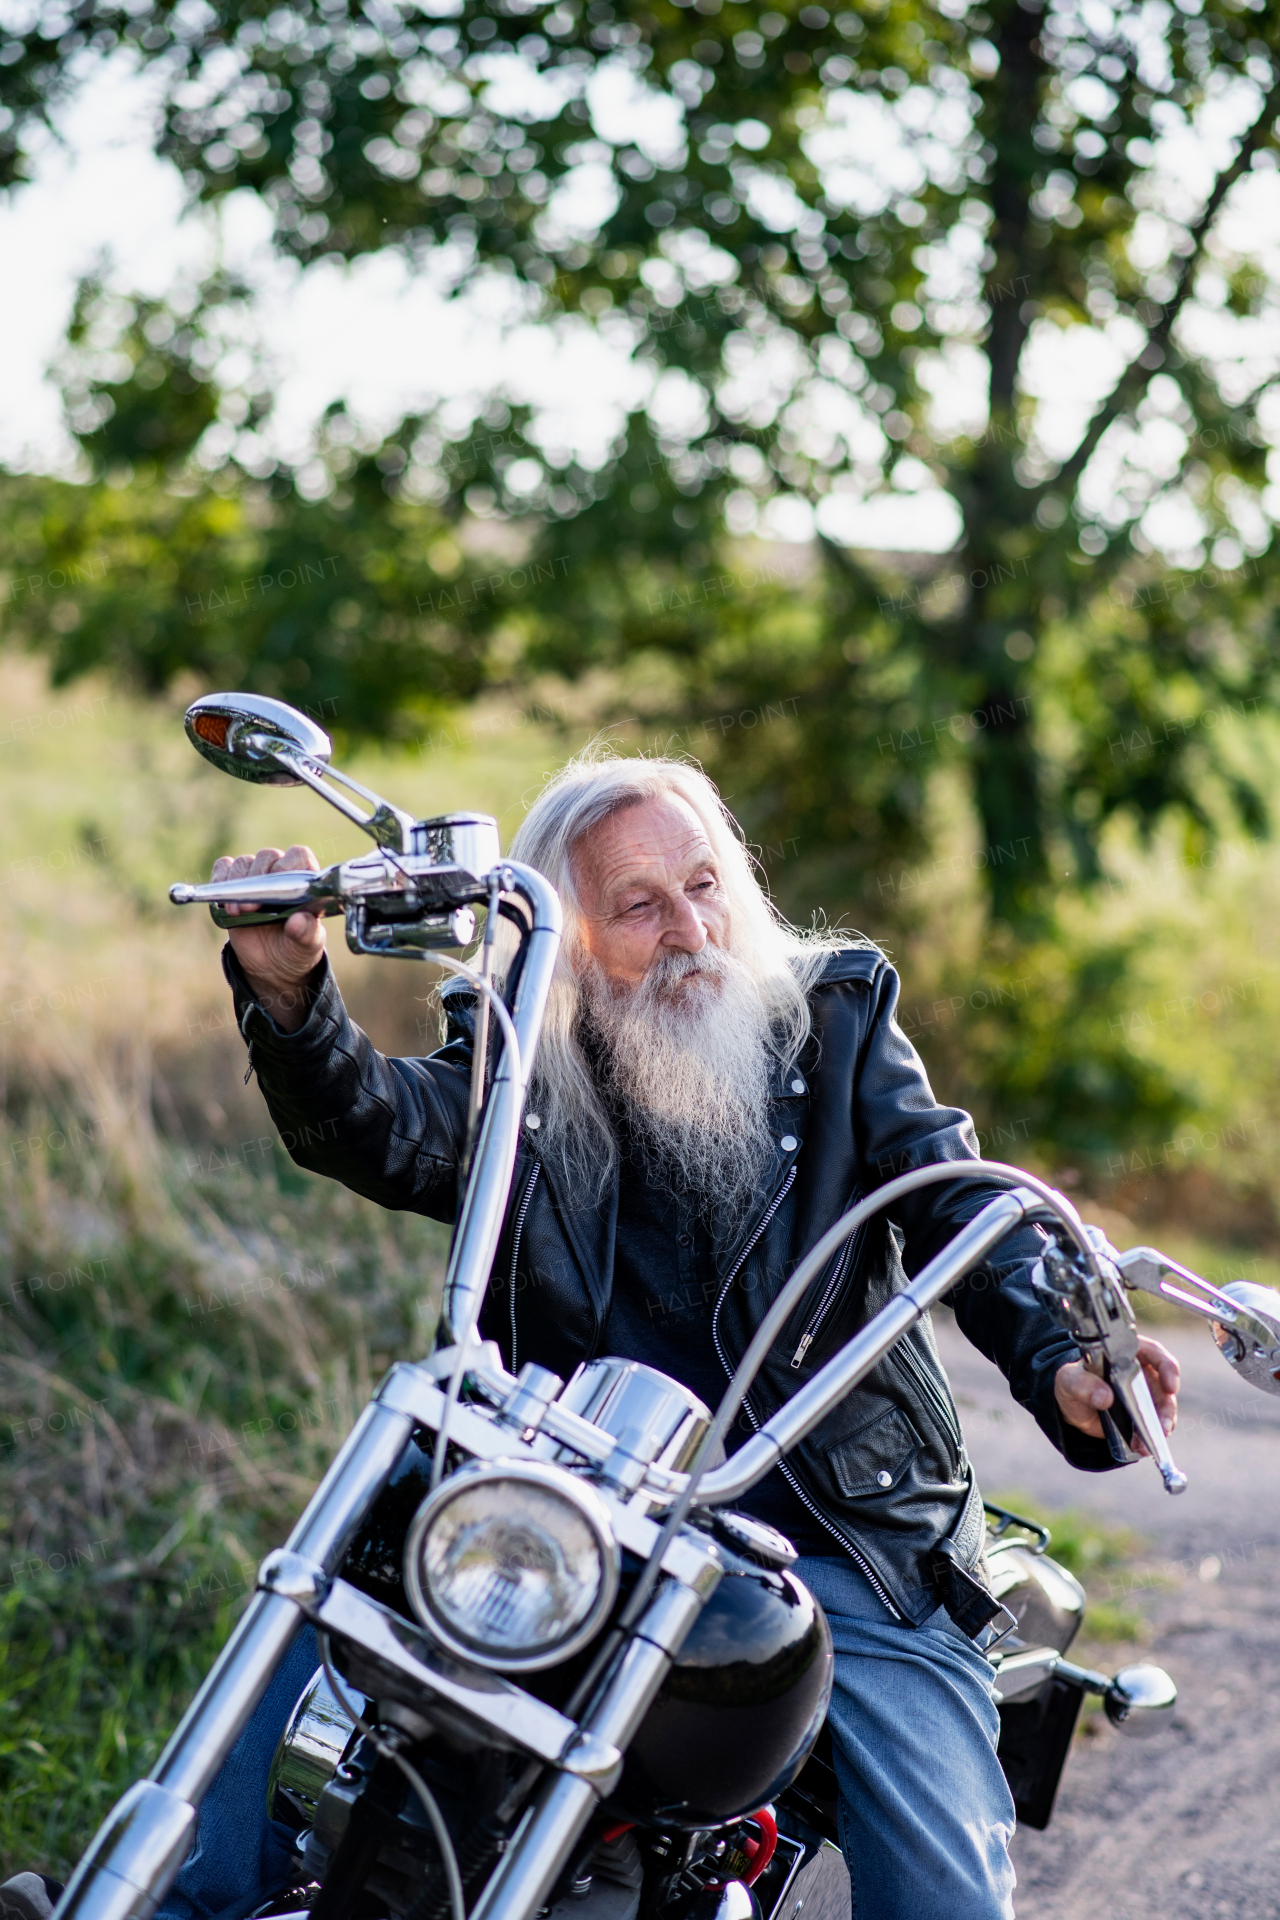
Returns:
(902,1126)
(391,1130)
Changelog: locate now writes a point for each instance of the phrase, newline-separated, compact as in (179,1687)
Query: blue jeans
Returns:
(240,1856)
(925,1814)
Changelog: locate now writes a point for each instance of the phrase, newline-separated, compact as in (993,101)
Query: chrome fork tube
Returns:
(132,1861)
(554,1824)
(483,1208)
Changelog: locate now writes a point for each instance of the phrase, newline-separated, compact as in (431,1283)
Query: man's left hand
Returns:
(1082,1396)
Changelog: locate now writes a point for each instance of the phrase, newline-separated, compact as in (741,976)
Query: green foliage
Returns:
(153,408)
(86,1697)
(854,203)
(311,601)
(1041,1054)
(1020,147)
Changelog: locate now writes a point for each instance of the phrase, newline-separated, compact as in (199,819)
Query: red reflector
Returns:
(212,727)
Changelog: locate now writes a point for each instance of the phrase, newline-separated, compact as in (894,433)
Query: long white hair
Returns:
(575,1131)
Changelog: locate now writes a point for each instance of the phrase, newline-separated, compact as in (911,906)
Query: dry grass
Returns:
(183,1350)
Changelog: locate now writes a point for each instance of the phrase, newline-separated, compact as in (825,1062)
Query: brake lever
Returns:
(369,877)
(1095,1309)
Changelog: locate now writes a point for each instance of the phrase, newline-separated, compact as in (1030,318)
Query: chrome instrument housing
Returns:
(467,842)
(624,1397)
(311,1749)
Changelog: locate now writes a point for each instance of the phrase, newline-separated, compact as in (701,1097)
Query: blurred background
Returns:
(879,406)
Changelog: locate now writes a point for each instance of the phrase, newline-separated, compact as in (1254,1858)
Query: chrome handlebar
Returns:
(411,902)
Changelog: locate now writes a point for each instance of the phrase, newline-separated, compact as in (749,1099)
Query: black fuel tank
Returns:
(739,1710)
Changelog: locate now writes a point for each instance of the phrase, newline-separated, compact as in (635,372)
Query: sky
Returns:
(372,335)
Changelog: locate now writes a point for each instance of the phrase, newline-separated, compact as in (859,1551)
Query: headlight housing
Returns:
(512,1564)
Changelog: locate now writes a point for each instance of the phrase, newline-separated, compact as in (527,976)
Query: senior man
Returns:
(712,1090)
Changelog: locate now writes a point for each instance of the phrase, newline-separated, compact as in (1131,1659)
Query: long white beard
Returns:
(687,1055)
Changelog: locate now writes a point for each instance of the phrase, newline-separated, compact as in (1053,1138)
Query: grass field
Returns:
(189,1324)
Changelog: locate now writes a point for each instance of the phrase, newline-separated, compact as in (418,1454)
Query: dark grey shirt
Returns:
(665,1286)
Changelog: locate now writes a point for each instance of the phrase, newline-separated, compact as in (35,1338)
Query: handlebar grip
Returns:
(269,917)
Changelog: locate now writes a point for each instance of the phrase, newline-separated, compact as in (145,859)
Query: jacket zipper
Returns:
(829,1292)
(525,1198)
(937,1400)
(859,1559)
(746,1253)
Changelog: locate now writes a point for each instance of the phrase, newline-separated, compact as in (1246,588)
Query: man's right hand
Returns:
(276,959)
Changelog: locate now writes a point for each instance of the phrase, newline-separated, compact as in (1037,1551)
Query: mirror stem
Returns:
(384,823)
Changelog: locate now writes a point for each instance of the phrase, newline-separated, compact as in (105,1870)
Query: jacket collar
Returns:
(861,962)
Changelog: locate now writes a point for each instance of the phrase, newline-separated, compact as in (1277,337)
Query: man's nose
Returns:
(685,929)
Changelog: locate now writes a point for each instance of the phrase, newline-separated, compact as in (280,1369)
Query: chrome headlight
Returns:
(512,1564)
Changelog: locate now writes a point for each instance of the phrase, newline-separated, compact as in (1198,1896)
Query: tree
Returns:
(824,222)
(182,566)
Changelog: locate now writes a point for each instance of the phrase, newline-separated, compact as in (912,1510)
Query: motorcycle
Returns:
(559,1675)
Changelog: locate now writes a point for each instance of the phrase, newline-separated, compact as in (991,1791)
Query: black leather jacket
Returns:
(886,1473)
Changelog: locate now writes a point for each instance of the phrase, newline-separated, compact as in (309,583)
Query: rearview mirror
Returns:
(262,740)
(1140,1700)
(1252,1341)
(254,738)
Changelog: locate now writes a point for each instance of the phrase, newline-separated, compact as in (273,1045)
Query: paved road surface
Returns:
(1187,1826)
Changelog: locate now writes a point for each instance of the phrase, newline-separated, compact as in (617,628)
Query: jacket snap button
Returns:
(788,1141)
(797,1086)
(532,1121)
(884,1479)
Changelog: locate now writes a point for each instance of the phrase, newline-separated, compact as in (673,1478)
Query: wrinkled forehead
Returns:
(651,842)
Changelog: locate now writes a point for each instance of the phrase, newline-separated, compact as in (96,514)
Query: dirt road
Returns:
(1185,1826)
